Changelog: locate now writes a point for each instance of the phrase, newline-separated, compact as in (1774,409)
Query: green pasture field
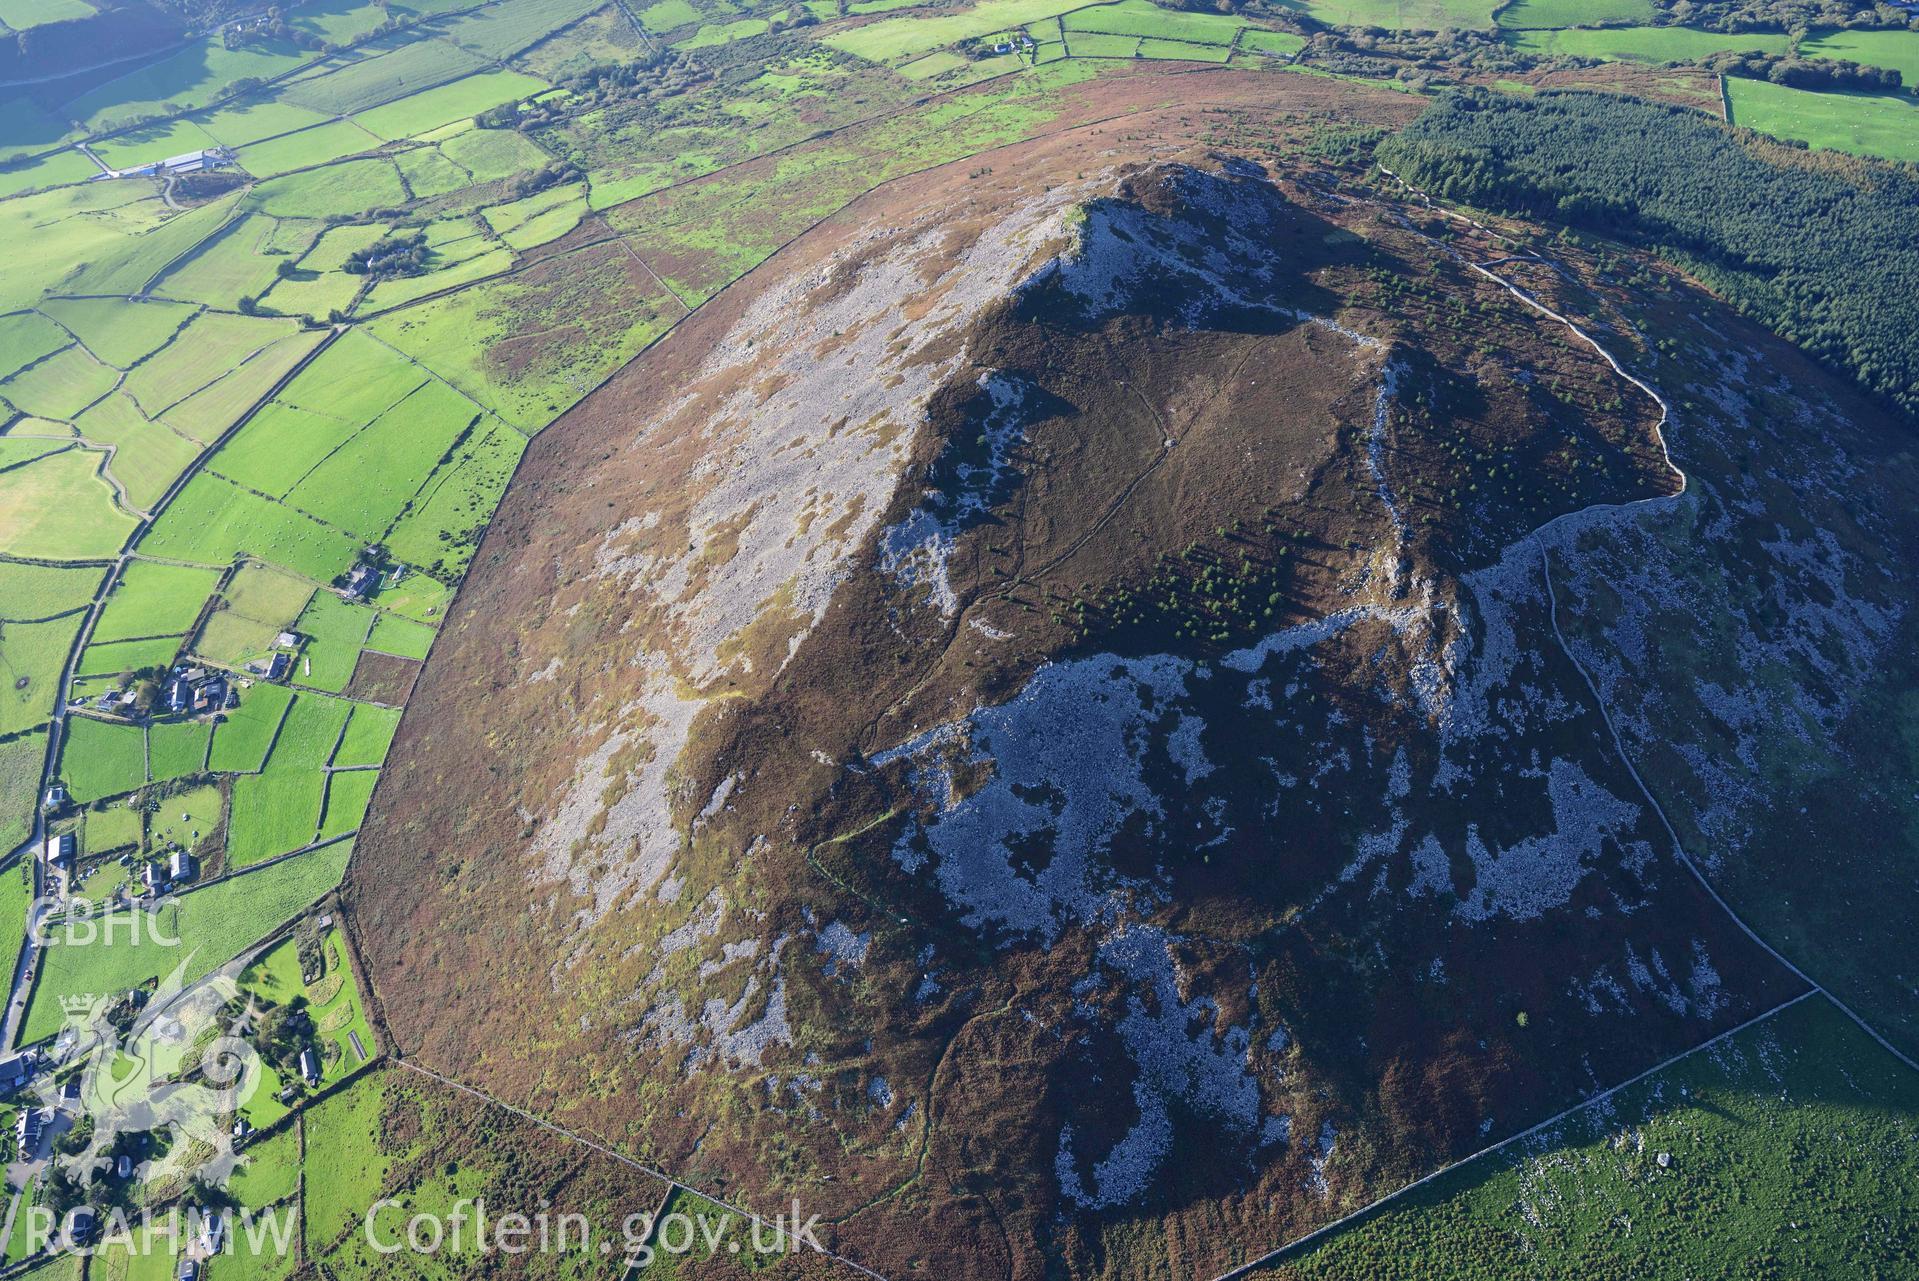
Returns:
(311,732)
(364,485)
(720,33)
(253,119)
(215,923)
(341,1012)
(418,113)
(120,331)
(492,154)
(663,16)
(1546,14)
(1898,50)
(267,595)
(440,526)
(152,599)
(1801,1120)
(58,508)
(894,39)
(1400,15)
(128,257)
(139,1254)
(242,740)
(147,456)
(238,263)
(316,146)
(25,337)
(355,86)
(1143,18)
(280,446)
(60,386)
(337,21)
(210,411)
(334,630)
(196,76)
(214,522)
(15,450)
(345,1166)
(99,759)
(400,290)
(518,215)
(395,635)
(121,657)
(32,592)
(471,338)
(21,759)
(187,819)
(270,1171)
(347,795)
(56,170)
(148,143)
(22,15)
(1179,50)
(273,813)
(1282,44)
(933,64)
(337,190)
(504,31)
(368,735)
(604,36)
(215,344)
(32,656)
(115,827)
(1883,125)
(1645,44)
(25,127)
(177,749)
(428,173)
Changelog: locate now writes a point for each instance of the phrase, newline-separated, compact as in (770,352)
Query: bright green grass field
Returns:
(26,337)
(334,630)
(214,925)
(303,150)
(1898,50)
(368,82)
(101,759)
(271,1169)
(1399,15)
(213,522)
(119,331)
(1143,18)
(188,819)
(16,891)
(1523,14)
(337,190)
(147,456)
(273,813)
(895,38)
(20,761)
(176,749)
(60,386)
(492,154)
(1791,1155)
(118,658)
(153,599)
(460,100)
(394,635)
(365,484)
(31,657)
(368,735)
(1881,125)
(345,1168)
(1646,44)
(241,741)
(30,592)
(115,827)
(347,795)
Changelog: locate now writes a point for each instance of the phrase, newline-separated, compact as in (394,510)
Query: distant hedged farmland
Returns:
(285,307)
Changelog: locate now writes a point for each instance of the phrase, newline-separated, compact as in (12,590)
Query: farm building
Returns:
(60,848)
(310,1065)
(180,866)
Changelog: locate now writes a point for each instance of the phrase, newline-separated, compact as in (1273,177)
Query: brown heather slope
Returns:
(1034,724)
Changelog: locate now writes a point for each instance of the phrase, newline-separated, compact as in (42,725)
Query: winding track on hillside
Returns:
(1540,538)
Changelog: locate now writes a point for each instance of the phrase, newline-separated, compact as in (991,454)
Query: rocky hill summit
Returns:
(1122,692)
